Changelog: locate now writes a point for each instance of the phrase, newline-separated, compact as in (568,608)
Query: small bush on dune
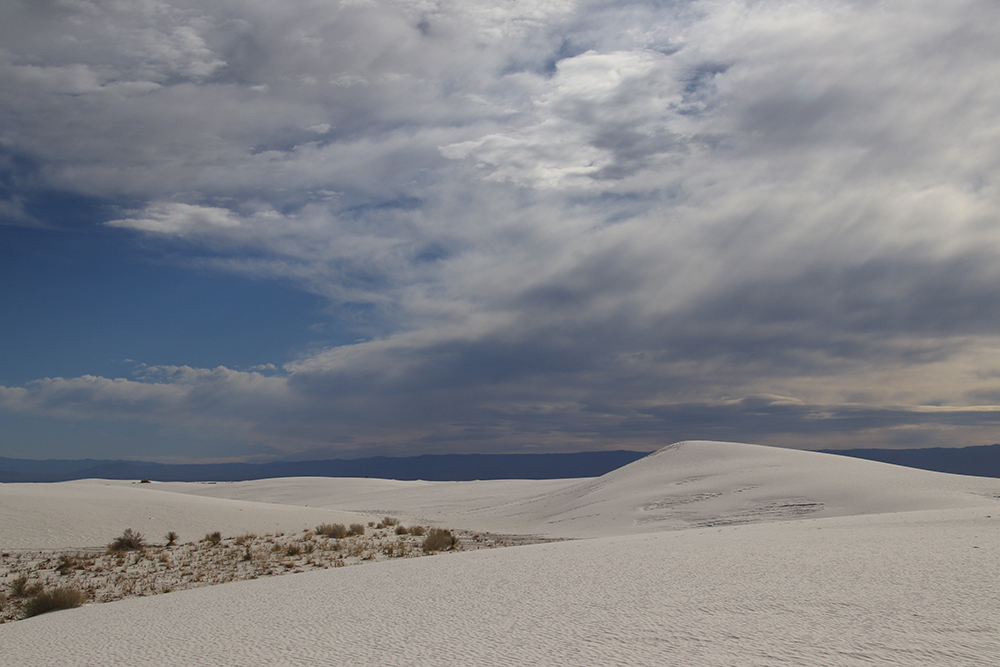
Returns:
(440,539)
(390,521)
(67,563)
(401,530)
(417,530)
(334,530)
(356,529)
(213,538)
(171,538)
(130,540)
(46,601)
(20,588)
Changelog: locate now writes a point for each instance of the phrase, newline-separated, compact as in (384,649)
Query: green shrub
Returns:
(46,601)
(334,530)
(439,539)
(356,529)
(130,540)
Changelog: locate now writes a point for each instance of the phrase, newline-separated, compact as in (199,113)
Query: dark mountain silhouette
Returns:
(982,460)
(443,467)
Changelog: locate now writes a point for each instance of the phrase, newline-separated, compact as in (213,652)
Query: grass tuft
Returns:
(46,601)
(439,539)
(130,540)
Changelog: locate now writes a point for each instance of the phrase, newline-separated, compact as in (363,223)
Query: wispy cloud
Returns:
(569,224)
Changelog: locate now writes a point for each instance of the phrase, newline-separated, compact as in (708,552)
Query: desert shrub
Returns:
(335,530)
(17,586)
(401,530)
(171,538)
(308,548)
(3,600)
(67,563)
(246,538)
(293,550)
(356,529)
(130,540)
(46,601)
(417,530)
(213,538)
(390,521)
(439,539)
(144,481)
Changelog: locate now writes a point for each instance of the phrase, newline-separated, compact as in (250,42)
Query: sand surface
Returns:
(701,554)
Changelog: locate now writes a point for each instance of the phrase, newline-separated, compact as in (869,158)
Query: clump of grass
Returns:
(402,530)
(46,601)
(417,530)
(130,540)
(293,550)
(390,521)
(67,563)
(213,538)
(439,539)
(356,529)
(171,538)
(334,530)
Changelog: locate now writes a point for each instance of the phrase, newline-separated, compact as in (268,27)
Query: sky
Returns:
(252,230)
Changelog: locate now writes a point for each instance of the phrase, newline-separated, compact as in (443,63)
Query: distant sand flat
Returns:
(701,554)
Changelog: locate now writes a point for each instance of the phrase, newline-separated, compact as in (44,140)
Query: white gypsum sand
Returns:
(703,554)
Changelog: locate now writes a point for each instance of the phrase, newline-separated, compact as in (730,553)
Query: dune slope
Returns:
(701,554)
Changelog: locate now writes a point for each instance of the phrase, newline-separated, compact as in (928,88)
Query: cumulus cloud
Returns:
(568,224)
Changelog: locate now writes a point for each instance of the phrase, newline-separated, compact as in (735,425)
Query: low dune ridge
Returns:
(687,484)
(702,553)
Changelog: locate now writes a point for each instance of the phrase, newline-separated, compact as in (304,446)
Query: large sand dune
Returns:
(701,554)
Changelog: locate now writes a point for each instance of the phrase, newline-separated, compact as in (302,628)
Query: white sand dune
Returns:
(89,513)
(702,554)
(684,485)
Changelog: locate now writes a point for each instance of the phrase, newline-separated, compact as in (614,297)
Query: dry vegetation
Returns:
(34,582)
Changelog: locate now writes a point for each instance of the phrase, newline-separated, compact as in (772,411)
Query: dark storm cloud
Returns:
(551,224)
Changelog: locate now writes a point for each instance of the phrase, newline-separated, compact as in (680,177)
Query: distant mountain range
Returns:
(441,467)
(983,461)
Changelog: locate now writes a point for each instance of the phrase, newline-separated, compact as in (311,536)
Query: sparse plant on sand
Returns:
(439,539)
(171,538)
(129,540)
(356,529)
(390,521)
(402,530)
(46,601)
(214,538)
(417,530)
(334,530)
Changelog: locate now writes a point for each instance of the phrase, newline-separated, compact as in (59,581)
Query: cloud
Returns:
(563,224)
